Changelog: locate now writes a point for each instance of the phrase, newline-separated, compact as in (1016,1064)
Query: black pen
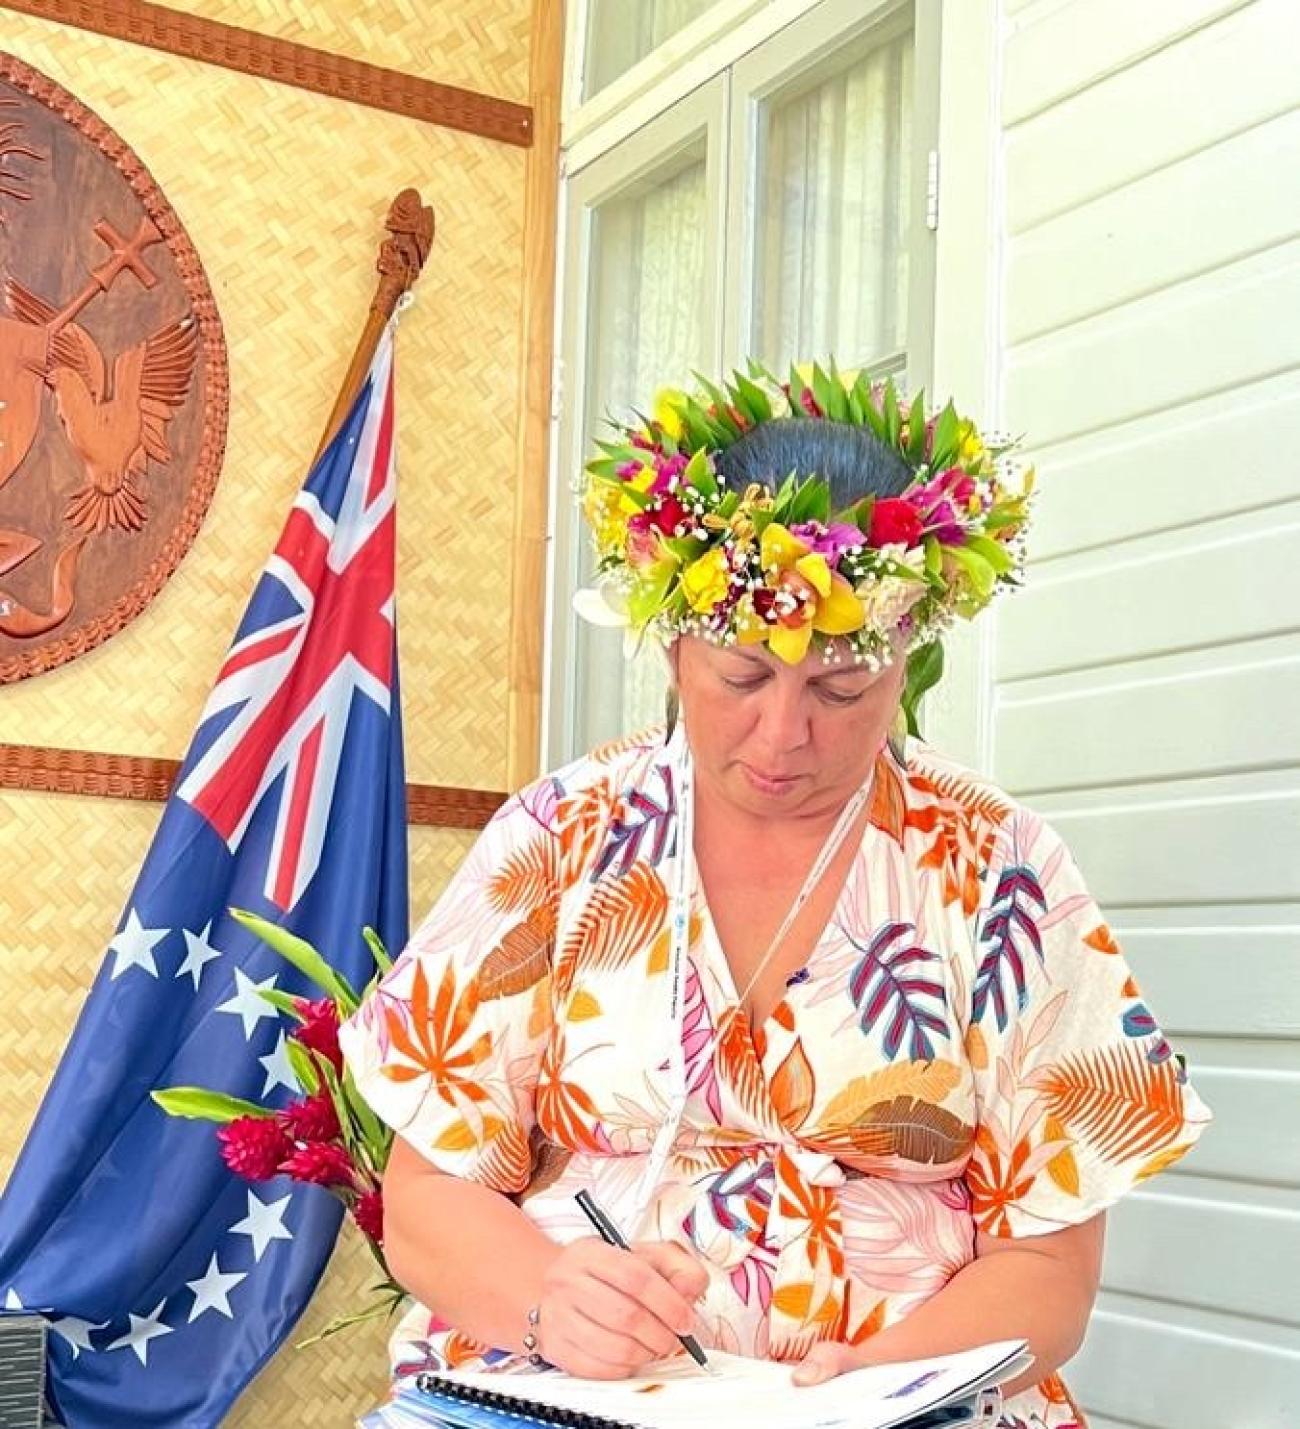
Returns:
(611,1235)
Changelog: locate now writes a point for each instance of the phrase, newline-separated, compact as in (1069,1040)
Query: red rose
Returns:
(254,1146)
(670,515)
(321,1164)
(320,1031)
(369,1215)
(312,1118)
(894,523)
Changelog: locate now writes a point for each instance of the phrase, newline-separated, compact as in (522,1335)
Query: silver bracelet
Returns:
(530,1339)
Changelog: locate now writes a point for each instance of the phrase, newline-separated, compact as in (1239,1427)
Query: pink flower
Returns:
(254,1146)
(312,1118)
(958,484)
(369,1215)
(895,522)
(933,503)
(829,541)
(668,474)
(642,545)
(320,1030)
(320,1164)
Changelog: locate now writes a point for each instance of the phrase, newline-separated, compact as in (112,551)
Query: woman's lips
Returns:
(770,784)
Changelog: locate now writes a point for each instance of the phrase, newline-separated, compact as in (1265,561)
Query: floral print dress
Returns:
(965,1048)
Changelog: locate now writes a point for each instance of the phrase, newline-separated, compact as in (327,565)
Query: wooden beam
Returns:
(528,597)
(133,776)
(268,57)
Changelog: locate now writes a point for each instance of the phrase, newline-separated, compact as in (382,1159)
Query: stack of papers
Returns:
(677,1394)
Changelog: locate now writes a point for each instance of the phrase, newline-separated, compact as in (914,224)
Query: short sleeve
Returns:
(1080,1096)
(447,1049)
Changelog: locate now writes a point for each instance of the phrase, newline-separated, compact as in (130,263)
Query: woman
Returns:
(829,1024)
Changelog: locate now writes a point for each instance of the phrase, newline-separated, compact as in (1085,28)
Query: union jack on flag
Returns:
(282,700)
(166,1281)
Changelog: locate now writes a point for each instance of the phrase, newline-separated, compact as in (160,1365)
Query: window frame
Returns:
(818,39)
(636,160)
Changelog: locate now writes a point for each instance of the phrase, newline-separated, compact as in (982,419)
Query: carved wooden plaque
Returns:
(113,382)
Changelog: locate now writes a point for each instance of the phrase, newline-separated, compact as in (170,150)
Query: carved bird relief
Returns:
(115,421)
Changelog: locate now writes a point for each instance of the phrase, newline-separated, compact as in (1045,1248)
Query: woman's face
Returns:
(778,740)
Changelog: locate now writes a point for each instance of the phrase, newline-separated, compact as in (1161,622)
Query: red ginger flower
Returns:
(254,1146)
(320,1030)
(312,1118)
(321,1164)
(369,1215)
(895,522)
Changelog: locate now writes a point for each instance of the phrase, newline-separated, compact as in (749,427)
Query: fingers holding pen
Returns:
(606,1312)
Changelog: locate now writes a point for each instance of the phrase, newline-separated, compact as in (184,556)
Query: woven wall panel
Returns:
(284,195)
(482,45)
(57,919)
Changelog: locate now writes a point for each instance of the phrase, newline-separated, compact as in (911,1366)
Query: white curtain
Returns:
(647,331)
(621,32)
(832,218)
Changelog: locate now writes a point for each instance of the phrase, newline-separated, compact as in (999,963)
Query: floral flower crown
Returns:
(679,552)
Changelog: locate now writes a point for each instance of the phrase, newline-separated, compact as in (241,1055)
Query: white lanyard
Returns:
(679,951)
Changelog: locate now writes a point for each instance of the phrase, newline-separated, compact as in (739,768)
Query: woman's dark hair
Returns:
(853,461)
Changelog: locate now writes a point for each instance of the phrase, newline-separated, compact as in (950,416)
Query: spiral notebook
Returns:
(676,1394)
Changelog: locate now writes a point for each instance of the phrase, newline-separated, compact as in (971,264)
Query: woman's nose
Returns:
(784,723)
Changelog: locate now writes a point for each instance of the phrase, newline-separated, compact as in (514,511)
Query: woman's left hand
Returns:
(825,1360)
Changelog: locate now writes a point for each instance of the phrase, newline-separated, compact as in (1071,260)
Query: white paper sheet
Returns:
(758,1394)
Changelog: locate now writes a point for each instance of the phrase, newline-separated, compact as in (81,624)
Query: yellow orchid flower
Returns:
(804,596)
(970,448)
(604,509)
(705,581)
(667,411)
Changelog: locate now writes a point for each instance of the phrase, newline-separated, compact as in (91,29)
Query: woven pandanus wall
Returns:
(283,193)
(481,45)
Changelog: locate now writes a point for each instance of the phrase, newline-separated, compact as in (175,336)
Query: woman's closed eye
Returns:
(748,684)
(839,697)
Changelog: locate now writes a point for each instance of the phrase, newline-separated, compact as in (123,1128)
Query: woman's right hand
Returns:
(606,1312)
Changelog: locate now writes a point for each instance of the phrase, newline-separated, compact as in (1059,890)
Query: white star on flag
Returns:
(247,1004)
(76,1332)
(198,951)
(134,946)
(143,1329)
(279,1069)
(212,1290)
(12,1302)
(263,1223)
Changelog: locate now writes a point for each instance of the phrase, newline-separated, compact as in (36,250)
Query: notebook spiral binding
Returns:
(526,1411)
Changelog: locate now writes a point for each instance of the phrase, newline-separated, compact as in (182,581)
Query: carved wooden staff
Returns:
(401,257)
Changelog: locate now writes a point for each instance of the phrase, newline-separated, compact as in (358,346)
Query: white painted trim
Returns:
(559,497)
(703,50)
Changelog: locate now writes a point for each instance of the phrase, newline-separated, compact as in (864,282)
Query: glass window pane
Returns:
(647,328)
(831,227)
(621,32)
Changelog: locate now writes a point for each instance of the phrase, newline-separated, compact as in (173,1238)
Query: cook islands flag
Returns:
(168,1282)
